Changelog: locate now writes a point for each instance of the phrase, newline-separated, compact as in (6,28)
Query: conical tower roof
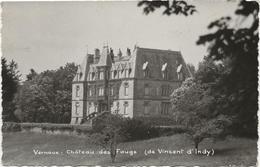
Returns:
(105,58)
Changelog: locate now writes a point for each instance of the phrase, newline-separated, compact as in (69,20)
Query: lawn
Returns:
(18,150)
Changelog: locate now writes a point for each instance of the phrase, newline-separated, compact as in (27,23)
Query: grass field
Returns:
(18,150)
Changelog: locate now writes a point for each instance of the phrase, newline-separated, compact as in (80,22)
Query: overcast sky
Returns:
(46,35)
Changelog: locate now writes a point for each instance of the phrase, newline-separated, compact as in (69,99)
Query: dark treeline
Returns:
(43,97)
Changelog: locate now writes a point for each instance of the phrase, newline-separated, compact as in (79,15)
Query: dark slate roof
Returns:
(156,58)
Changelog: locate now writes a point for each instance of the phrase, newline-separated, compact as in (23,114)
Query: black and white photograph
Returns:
(130,83)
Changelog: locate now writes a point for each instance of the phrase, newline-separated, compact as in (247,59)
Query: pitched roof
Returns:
(81,72)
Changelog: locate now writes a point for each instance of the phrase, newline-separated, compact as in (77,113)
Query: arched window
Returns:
(125,108)
(77,108)
(126,89)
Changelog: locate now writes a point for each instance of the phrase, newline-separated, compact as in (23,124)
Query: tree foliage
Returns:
(231,63)
(10,83)
(46,97)
(237,48)
(109,132)
(177,7)
(194,108)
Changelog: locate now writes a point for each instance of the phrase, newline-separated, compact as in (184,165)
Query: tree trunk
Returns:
(113,150)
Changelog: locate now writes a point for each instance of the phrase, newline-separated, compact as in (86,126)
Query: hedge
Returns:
(12,127)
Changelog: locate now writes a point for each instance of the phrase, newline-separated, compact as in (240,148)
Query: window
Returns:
(179,72)
(111,91)
(164,71)
(115,74)
(77,90)
(129,72)
(101,75)
(145,69)
(165,108)
(158,91)
(77,108)
(126,73)
(117,108)
(93,76)
(89,107)
(125,107)
(100,91)
(146,89)
(112,75)
(90,91)
(146,108)
(126,89)
(165,91)
(122,73)
(95,107)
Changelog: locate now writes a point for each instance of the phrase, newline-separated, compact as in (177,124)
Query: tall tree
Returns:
(237,48)
(10,83)
(46,97)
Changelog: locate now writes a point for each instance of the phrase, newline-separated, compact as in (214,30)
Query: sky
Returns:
(47,35)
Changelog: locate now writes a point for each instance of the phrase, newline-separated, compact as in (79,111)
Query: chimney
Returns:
(97,55)
(128,52)
(90,58)
(119,53)
(112,54)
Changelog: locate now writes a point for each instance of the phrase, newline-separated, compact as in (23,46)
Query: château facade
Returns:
(134,84)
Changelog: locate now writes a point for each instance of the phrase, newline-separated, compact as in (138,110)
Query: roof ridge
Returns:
(159,50)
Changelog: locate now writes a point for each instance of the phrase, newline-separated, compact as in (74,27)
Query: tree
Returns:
(177,7)
(237,48)
(109,133)
(46,97)
(31,75)
(10,83)
(209,71)
(194,107)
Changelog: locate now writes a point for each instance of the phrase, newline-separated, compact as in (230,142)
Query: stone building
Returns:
(134,84)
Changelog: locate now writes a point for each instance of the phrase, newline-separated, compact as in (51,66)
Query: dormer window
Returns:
(129,72)
(164,71)
(179,72)
(115,74)
(93,75)
(145,69)
(122,73)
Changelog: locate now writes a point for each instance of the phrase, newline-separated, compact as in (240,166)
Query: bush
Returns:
(11,127)
(158,120)
(137,129)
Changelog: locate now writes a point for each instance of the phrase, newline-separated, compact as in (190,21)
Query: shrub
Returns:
(137,129)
